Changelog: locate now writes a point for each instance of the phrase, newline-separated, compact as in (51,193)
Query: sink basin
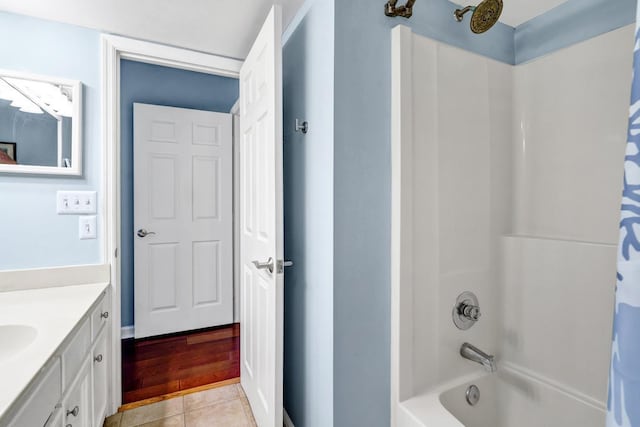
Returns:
(14,339)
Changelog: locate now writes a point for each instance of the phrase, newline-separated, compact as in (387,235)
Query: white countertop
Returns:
(54,313)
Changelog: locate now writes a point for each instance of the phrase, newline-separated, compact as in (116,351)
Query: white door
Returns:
(183,224)
(261,223)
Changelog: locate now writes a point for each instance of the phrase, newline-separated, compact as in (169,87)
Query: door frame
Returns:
(115,48)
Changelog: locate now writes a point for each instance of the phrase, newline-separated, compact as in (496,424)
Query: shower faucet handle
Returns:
(466,311)
(471,312)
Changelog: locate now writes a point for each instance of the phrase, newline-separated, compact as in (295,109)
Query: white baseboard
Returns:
(127,332)
(287,420)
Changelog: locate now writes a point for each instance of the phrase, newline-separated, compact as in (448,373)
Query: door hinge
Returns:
(282,264)
(115,253)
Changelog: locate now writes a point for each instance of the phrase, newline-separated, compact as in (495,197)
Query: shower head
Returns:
(485,15)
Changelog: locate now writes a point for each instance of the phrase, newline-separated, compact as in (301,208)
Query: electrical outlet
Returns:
(76,202)
(87,227)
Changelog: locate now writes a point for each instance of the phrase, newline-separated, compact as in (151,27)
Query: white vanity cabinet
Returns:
(72,390)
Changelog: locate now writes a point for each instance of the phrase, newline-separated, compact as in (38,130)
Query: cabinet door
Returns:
(76,352)
(100,316)
(56,418)
(43,398)
(77,403)
(100,361)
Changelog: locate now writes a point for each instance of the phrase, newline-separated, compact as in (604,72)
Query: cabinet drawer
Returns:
(100,316)
(43,399)
(75,353)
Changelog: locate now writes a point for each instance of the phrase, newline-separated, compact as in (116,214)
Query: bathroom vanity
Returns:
(54,356)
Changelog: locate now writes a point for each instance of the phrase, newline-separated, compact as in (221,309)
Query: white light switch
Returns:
(87,227)
(76,202)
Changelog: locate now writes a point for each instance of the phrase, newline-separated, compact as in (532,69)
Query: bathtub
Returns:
(508,398)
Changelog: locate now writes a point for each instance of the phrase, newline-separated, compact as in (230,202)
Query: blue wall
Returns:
(337,194)
(32,234)
(362,175)
(153,84)
(308,216)
(571,23)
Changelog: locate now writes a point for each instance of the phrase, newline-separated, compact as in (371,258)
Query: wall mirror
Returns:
(40,124)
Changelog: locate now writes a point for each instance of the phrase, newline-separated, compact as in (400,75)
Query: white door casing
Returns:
(183,183)
(262,223)
(113,50)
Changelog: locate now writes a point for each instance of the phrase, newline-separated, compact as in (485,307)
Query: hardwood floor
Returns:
(156,366)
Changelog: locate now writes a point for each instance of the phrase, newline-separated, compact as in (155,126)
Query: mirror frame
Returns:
(76,130)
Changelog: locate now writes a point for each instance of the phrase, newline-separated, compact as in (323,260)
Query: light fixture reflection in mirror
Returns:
(39,124)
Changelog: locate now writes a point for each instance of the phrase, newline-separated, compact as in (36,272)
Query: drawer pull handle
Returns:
(74,412)
(98,358)
(105,315)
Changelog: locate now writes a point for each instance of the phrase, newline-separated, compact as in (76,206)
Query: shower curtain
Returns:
(624,381)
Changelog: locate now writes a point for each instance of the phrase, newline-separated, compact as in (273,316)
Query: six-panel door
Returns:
(183,215)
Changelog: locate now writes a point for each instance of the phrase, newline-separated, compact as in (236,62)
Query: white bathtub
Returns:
(509,398)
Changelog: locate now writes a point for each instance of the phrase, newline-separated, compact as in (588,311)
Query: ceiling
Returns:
(516,12)
(226,28)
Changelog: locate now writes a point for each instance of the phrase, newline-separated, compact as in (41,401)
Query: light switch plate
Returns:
(76,202)
(87,227)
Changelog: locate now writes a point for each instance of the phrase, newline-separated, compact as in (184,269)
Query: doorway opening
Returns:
(177,232)
(260,203)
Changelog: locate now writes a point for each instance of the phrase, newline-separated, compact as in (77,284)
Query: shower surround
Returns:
(506,181)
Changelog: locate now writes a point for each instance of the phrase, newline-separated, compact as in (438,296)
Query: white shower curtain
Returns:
(624,381)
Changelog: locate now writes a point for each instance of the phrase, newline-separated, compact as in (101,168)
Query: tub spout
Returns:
(474,354)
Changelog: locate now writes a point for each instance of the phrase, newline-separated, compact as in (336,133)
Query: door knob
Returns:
(144,233)
(269,265)
(264,265)
(282,264)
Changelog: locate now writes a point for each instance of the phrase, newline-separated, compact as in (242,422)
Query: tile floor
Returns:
(219,407)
